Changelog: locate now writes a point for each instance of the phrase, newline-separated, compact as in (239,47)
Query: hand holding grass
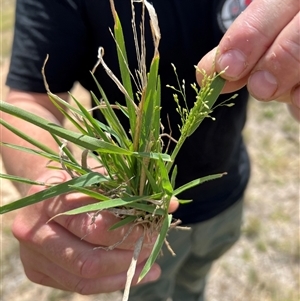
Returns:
(61,254)
(262,53)
(64,253)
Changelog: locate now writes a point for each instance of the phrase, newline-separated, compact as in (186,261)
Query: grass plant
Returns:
(139,181)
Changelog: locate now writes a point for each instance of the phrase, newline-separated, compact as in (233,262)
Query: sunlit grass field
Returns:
(6,27)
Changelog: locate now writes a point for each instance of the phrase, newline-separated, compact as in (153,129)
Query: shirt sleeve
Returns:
(52,27)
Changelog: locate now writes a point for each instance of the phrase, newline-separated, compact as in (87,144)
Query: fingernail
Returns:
(152,275)
(59,177)
(262,85)
(234,61)
(296,97)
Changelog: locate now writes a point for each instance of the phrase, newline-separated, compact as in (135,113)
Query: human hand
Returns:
(61,253)
(261,49)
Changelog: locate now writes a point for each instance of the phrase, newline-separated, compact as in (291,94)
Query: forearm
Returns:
(21,163)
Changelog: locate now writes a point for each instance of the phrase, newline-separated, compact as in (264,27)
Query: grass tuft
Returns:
(136,186)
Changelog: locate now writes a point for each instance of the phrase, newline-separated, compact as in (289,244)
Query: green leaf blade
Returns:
(157,246)
(196,182)
(59,189)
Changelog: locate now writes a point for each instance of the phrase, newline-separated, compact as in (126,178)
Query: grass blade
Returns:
(216,87)
(127,220)
(26,137)
(165,181)
(20,180)
(157,246)
(151,106)
(124,69)
(111,118)
(197,182)
(59,189)
(55,158)
(112,203)
(93,194)
(57,101)
(85,141)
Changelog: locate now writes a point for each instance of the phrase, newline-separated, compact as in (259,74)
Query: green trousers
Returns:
(183,276)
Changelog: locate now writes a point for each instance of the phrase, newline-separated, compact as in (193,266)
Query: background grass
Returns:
(6,27)
(262,266)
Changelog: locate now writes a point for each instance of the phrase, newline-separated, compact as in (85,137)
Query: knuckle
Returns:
(253,28)
(69,221)
(291,49)
(82,287)
(86,265)
(87,269)
(252,32)
(78,224)
(284,63)
(32,273)
(16,229)
(20,230)
(36,277)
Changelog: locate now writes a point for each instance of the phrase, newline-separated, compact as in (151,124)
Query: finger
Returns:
(174,204)
(87,226)
(278,71)
(76,256)
(49,177)
(252,33)
(96,165)
(45,272)
(94,227)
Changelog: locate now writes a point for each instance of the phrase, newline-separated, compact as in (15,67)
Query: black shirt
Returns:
(71,31)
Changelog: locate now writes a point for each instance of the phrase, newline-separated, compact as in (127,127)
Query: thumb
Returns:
(207,63)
